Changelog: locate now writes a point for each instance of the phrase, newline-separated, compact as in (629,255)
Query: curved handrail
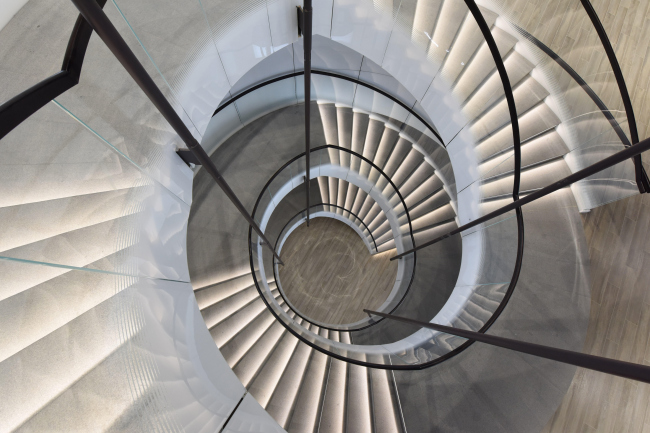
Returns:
(17,109)
(643,184)
(381,172)
(342,149)
(641,177)
(507,89)
(334,75)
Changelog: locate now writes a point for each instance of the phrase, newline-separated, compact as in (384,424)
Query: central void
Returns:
(330,276)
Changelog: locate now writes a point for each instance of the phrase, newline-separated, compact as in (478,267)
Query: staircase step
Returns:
(32,222)
(417,177)
(466,44)
(228,328)
(387,143)
(452,16)
(273,367)
(544,147)
(323,185)
(482,64)
(385,409)
(215,313)
(212,293)
(358,415)
(284,397)
(48,371)
(491,90)
(527,94)
(305,415)
(332,416)
(537,120)
(531,179)
(375,133)
(360,122)
(344,120)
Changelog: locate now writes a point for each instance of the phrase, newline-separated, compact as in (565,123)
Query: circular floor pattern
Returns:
(329,274)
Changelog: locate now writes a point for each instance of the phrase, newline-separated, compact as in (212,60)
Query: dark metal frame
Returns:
(507,89)
(17,109)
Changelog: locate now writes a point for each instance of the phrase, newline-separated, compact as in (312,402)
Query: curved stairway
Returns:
(303,389)
(92,209)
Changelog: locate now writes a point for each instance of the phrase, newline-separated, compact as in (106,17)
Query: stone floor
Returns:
(329,274)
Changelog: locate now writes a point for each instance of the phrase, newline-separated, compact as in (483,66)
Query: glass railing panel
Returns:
(608,185)
(481,287)
(34,44)
(370,101)
(566,29)
(110,102)
(176,40)
(316,159)
(325,88)
(53,320)
(267,99)
(222,125)
(470,73)
(244,44)
(71,198)
(494,247)
(574,140)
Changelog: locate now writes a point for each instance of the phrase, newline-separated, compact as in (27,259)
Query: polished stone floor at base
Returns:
(329,274)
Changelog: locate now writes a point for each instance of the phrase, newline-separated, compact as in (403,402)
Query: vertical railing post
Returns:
(306,32)
(111,37)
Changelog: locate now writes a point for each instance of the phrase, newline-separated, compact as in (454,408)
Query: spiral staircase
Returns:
(135,297)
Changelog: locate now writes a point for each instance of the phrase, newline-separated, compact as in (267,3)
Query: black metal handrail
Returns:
(624,369)
(381,172)
(17,109)
(610,161)
(507,90)
(641,177)
(396,100)
(307,33)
